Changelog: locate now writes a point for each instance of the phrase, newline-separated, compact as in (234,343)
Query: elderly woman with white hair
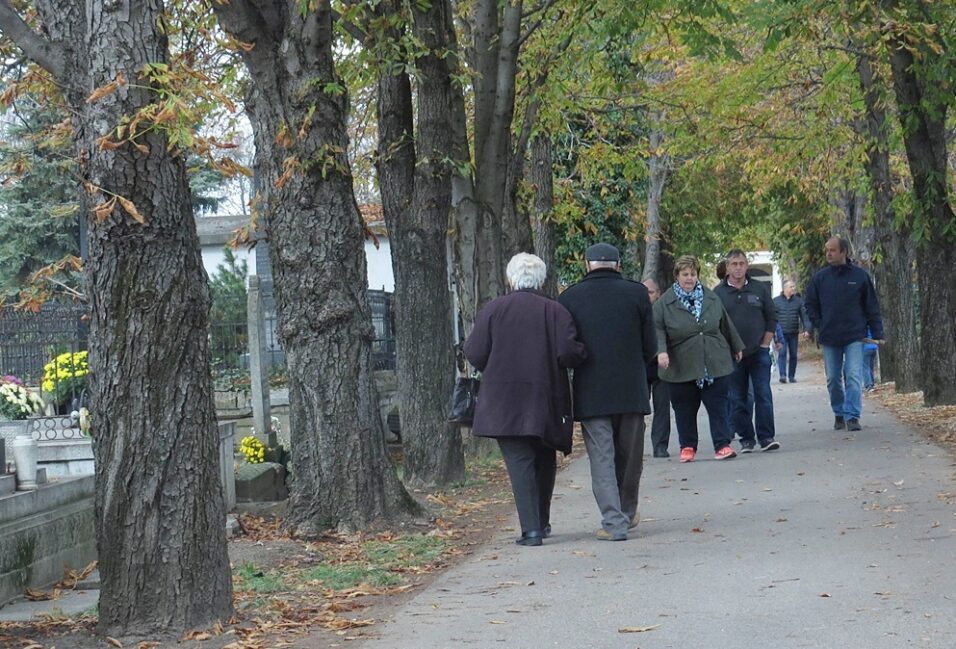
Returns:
(523,344)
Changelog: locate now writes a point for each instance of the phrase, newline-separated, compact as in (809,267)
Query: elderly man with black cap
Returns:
(615,322)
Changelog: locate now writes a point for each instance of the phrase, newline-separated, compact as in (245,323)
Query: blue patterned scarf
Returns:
(694,301)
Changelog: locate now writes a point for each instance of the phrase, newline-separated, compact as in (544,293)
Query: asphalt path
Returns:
(838,540)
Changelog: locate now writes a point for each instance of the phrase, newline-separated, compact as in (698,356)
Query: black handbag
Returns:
(463,398)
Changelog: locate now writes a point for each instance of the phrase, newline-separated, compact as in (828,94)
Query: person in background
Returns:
(842,305)
(613,316)
(869,362)
(661,422)
(793,319)
(750,306)
(696,344)
(523,343)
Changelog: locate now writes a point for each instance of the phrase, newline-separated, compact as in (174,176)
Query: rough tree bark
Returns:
(923,115)
(159,508)
(900,358)
(416,197)
(541,177)
(298,107)
(657,166)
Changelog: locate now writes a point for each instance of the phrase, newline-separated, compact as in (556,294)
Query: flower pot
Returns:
(25,450)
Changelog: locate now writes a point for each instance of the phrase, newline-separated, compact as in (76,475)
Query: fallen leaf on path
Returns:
(883,593)
(824,594)
(553,572)
(899,483)
(637,629)
(581,553)
(496,622)
(197,635)
(697,530)
(530,583)
(766,489)
(781,520)
(114,642)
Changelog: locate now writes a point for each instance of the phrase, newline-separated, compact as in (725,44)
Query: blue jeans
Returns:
(752,370)
(790,343)
(869,368)
(844,367)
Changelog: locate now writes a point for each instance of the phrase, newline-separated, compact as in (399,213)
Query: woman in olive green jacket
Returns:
(696,344)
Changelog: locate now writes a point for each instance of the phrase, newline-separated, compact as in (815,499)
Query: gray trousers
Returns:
(661,422)
(616,452)
(532,467)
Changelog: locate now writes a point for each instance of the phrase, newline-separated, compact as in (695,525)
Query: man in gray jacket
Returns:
(795,324)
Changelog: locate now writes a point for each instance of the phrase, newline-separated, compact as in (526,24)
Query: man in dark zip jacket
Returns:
(750,306)
(842,303)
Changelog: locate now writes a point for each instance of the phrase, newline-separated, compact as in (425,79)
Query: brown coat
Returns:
(523,344)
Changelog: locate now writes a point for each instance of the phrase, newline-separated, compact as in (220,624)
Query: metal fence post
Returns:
(258,364)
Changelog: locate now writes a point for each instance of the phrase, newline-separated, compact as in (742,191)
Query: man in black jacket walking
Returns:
(842,304)
(750,307)
(614,321)
(793,319)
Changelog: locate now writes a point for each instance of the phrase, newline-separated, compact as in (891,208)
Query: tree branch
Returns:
(37,49)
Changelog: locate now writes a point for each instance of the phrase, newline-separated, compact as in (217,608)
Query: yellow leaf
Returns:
(131,210)
(114,642)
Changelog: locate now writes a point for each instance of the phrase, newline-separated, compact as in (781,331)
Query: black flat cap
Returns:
(602,252)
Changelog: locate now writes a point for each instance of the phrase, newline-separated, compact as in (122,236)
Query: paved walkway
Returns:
(838,540)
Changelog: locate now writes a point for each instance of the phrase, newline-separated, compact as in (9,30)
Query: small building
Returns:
(764,267)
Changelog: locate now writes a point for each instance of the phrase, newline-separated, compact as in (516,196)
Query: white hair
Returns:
(526,271)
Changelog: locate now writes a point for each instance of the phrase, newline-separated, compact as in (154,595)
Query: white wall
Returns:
(379,262)
(212,256)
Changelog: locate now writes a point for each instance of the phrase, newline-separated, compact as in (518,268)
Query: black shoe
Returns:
(783,380)
(532,538)
(661,452)
(546,531)
(838,423)
(853,424)
(747,446)
(772,445)
(793,380)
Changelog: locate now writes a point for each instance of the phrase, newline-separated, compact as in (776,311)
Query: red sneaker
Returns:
(725,453)
(687,454)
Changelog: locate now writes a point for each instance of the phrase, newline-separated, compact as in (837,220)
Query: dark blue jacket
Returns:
(842,303)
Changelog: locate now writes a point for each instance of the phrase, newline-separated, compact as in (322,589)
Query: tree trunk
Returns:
(923,116)
(298,107)
(433,452)
(160,519)
(657,171)
(541,176)
(899,359)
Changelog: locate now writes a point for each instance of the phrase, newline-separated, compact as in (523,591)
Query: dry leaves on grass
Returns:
(938,422)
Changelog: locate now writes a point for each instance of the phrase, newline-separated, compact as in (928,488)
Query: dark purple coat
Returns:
(522,343)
